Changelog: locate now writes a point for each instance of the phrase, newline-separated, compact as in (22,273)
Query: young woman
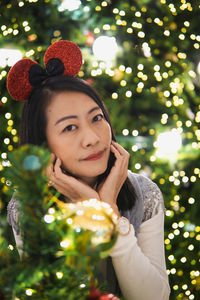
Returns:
(67,114)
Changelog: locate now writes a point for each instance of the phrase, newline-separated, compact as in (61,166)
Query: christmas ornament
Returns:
(89,80)
(108,297)
(31,163)
(93,215)
(89,37)
(95,294)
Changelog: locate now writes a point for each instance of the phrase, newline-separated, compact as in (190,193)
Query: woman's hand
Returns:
(67,185)
(108,191)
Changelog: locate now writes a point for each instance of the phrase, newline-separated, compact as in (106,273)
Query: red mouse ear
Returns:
(18,84)
(68,53)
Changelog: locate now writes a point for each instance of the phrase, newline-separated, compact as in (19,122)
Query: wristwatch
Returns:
(123,226)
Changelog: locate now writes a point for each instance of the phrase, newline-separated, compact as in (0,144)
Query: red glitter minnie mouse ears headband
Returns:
(61,58)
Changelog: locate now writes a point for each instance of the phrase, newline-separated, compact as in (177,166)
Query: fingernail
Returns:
(58,160)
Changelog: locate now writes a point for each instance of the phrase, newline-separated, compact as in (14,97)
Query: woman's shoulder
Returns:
(143,182)
(141,179)
(149,192)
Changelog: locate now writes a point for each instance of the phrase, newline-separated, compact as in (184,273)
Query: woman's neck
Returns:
(91,181)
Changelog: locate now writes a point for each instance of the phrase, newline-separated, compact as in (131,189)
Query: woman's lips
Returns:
(95,156)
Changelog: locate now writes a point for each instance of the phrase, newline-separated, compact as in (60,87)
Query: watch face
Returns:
(123,226)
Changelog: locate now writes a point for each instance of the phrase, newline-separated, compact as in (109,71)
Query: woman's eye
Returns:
(98,117)
(69,128)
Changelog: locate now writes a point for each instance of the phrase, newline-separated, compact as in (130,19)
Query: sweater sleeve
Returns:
(12,218)
(139,262)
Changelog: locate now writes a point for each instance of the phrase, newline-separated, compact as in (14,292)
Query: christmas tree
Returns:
(143,58)
(61,242)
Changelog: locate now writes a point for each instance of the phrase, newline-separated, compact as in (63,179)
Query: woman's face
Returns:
(78,134)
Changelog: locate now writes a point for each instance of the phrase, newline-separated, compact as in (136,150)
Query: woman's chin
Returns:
(91,176)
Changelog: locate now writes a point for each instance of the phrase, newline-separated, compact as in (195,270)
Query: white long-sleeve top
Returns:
(139,262)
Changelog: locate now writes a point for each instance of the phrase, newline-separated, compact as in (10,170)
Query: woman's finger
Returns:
(119,157)
(121,150)
(57,167)
(52,157)
(115,151)
(50,167)
(116,146)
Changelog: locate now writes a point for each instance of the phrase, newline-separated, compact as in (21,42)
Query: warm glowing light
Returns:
(105,48)
(138,166)
(134,148)
(69,221)
(115,10)
(114,95)
(125,132)
(29,292)
(8,57)
(69,5)
(10,247)
(59,275)
(168,143)
(49,219)
(135,133)
(65,243)
(146,49)
(51,210)
(128,94)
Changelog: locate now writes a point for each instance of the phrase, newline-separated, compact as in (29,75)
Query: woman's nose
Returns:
(90,138)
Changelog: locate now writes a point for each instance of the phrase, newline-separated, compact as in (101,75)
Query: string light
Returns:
(29,292)
(59,275)
(65,243)
(49,219)
(170,93)
(125,132)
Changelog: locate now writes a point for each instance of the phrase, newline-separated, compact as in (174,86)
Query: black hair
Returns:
(33,123)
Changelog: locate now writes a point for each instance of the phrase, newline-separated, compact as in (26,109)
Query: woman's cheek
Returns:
(109,134)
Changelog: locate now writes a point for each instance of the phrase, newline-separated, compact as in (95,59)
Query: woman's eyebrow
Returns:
(75,117)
